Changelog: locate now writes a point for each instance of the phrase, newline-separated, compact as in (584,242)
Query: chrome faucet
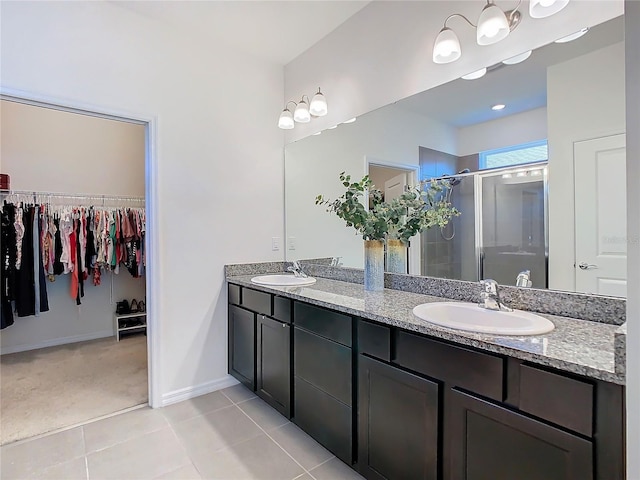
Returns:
(490,296)
(296,268)
(335,262)
(524,279)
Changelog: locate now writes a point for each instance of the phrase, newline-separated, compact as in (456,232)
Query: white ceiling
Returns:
(520,87)
(277,31)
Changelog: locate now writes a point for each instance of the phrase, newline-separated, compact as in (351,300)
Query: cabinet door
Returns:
(397,423)
(273,382)
(488,441)
(242,345)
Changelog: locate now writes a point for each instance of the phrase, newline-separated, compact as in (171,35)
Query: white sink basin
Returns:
(470,317)
(283,280)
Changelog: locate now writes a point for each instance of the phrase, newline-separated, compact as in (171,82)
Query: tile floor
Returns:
(229,434)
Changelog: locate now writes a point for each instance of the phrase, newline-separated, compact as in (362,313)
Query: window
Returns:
(515,155)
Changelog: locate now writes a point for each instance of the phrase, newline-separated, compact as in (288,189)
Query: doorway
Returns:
(102,350)
(395,179)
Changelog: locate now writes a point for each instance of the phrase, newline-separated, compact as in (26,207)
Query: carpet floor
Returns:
(51,388)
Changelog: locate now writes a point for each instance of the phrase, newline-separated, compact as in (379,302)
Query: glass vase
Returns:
(374,265)
(396,256)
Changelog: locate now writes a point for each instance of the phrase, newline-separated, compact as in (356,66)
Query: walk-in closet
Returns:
(74,318)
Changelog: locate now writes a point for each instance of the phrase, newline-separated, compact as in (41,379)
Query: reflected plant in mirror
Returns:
(396,221)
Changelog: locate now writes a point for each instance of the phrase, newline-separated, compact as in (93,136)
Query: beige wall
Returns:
(51,150)
(54,151)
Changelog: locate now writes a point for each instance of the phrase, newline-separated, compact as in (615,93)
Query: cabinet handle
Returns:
(284,325)
(262,317)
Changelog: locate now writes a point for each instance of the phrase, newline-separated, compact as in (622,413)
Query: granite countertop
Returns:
(578,346)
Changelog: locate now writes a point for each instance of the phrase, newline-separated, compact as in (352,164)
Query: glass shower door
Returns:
(514,237)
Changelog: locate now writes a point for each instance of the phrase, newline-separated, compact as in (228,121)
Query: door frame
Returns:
(150,121)
(415,250)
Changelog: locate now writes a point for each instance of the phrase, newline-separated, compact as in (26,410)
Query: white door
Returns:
(601,215)
(395,187)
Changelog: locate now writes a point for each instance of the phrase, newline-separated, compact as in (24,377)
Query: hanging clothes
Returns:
(9,250)
(41,241)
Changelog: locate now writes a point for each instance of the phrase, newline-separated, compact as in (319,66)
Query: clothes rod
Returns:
(80,196)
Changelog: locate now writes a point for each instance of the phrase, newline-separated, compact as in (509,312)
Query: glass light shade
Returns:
(517,58)
(318,105)
(301,113)
(475,75)
(446,48)
(573,36)
(493,25)
(546,8)
(286,120)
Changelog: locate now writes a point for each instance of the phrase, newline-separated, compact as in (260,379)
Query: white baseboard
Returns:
(197,390)
(57,341)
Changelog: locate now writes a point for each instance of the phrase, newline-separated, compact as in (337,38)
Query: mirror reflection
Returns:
(539,183)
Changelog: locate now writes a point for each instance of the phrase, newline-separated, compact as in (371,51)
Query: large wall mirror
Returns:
(540,184)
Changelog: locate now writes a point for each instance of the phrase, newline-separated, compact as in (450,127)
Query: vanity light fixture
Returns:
(303,111)
(517,58)
(475,75)
(546,8)
(351,120)
(573,36)
(498,106)
(317,133)
(331,128)
(494,24)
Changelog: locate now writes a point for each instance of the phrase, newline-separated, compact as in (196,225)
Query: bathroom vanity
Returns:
(395,397)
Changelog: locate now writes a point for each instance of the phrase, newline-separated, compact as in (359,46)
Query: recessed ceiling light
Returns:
(506,175)
(521,174)
(331,128)
(317,133)
(474,75)
(518,58)
(573,36)
(499,106)
(351,120)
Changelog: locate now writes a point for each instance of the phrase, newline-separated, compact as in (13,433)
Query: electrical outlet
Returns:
(292,243)
(275,243)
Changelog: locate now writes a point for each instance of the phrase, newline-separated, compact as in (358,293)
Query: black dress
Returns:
(9,252)
(25,293)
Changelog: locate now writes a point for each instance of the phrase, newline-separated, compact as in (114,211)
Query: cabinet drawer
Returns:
(481,373)
(325,323)
(374,340)
(259,302)
(234,294)
(558,399)
(324,364)
(327,420)
(282,309)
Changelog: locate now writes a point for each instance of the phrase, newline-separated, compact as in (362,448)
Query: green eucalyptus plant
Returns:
(401,218)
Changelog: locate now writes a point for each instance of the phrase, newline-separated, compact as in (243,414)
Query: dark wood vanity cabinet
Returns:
(397,423)
(323,377)
(474,415)
(490,441)
(398,405)
(273,363)
(260,344)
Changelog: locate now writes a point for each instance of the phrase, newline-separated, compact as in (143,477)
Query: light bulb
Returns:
(475,75)
(546,8)
(351,120)
(301,113)
(318,106)
(446,48)
(286,120)
(497,107)
(573,36)
(493,25)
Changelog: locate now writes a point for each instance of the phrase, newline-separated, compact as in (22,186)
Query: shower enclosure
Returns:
(502,229)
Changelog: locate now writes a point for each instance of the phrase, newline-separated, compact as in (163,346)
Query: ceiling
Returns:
(520,87)
(276,31)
